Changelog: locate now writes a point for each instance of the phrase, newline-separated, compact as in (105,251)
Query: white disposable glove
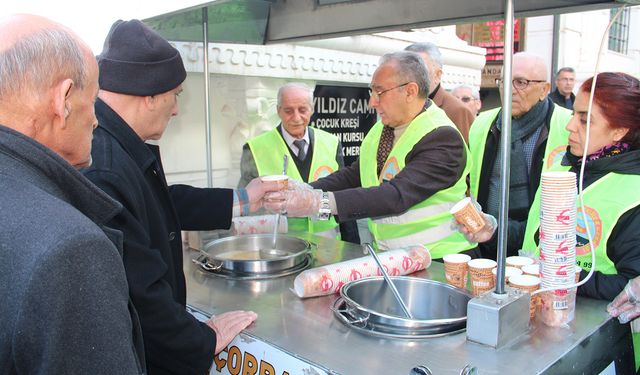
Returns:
(298,185)
(295,203)
(484,234)
(626,305)
(228,325)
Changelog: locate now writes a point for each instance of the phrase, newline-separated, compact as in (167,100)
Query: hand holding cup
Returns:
(474,224)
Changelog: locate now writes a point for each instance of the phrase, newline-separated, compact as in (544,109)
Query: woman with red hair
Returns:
(611,184)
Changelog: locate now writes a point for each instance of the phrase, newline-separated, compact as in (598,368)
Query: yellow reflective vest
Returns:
(427,223)
(268,149)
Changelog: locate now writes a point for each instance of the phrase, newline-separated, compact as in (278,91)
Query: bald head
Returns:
(48,82)
(534,65)
(20,27)
(35,52)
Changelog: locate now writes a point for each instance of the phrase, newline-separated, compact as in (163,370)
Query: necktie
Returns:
(300,143)
(384,147)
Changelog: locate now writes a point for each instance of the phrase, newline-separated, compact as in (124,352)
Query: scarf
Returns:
(525,131)
(608,151)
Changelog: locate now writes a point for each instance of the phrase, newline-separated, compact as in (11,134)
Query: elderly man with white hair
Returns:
(538,137)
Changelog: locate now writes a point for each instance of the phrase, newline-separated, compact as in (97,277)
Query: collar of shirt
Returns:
(289,139)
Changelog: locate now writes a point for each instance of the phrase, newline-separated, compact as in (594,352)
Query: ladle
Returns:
(389,282)
(285,163)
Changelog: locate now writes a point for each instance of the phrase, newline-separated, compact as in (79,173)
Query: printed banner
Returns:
(344,112)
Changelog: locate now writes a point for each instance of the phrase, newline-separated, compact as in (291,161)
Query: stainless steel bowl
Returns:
(253,253)
(369,305)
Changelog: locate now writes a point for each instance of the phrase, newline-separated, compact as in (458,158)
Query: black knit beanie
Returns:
(136,60)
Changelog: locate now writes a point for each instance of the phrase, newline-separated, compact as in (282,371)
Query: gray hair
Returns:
(38,61)
(474,91)
(567,69)
(430,49)
(409,68)
(296,85)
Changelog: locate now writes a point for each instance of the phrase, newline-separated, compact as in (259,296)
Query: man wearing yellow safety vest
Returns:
(313,153)
(412,168)
(538,137)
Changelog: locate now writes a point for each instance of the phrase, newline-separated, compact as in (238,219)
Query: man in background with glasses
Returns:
(412,168)
(456,111)
(565,82)
(470,96)
(538,137)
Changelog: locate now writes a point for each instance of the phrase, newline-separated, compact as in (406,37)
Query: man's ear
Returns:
(412,89)
(62,92)
(150,102)
(546,87)
(438,74)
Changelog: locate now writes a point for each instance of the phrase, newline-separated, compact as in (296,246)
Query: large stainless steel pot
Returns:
(253,254)
(368,305)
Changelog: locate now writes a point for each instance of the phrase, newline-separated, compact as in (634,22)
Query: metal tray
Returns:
(368,306)
(253,254)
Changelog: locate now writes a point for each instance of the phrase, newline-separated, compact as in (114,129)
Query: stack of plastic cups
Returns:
(557,247)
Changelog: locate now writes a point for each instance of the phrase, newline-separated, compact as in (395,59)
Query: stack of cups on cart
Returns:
(557,247)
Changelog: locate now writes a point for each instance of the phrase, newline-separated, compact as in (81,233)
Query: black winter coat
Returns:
(154,214)
(623,246)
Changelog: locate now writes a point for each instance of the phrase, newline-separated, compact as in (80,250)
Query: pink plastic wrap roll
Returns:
(257,224)
(329,279)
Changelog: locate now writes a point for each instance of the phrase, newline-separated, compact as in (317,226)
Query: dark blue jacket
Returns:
(154,214)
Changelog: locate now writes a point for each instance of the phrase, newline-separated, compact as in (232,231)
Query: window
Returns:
(619,32)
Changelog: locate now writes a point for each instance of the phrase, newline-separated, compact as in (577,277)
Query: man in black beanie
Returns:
(141,76)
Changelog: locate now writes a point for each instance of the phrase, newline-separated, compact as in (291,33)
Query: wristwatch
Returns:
(324,213)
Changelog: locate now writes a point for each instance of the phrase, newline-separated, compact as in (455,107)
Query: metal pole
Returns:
(554,50)
(505,141)
(207,109)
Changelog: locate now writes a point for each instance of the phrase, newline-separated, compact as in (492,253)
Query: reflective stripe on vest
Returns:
(603,210)
(268,150)
(554,150)
(428,222)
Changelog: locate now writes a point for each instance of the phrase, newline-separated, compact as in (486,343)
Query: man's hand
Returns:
(256,189)
(228,325)
(484,234)
(626,305)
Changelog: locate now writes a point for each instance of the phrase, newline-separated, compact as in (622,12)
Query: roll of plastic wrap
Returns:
(257,224)
(329,279)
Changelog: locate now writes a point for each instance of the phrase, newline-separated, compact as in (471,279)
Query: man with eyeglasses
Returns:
(469,96)
(461,116)
(563,94)
(538,137)
(412,168)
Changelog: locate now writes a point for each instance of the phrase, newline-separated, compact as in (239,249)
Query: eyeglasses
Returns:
(467,99)
(375,95)
(519,83)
